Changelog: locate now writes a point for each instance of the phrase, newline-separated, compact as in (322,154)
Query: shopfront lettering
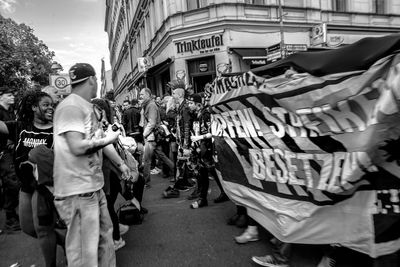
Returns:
(199,44)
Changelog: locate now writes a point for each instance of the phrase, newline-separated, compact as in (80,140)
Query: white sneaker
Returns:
(119,244)
(123,229)
(327,261)
(269,261)
(246,237)
(155,171)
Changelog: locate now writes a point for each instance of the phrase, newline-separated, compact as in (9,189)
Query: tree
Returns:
(25,61)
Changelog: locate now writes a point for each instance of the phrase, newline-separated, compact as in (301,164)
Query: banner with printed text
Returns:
(315,159)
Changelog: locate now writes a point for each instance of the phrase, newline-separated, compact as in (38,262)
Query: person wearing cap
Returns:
(8,177)
(79,142)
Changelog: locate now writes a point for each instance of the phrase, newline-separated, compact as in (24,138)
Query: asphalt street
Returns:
(172,234)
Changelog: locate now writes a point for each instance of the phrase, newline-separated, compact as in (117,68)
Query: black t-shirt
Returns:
(25,138)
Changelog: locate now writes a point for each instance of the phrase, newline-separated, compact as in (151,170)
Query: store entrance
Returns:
(199,82)
(201,71)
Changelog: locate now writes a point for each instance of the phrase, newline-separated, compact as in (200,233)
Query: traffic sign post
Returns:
(62,83)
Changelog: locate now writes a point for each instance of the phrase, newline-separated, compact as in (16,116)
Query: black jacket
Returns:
(183,125)
(130,120)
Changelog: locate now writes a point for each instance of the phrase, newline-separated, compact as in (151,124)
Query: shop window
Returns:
(339,5)
(255,2)
(194,4)
(379,6)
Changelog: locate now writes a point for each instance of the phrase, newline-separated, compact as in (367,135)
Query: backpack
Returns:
(128,214)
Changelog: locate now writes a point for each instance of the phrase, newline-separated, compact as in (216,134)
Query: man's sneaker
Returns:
(199,204)
(246,236)
(221,198)
(155,171)
(327,261)
(171,193)
(123,229)
(12,225)
(269,261)
(119,244)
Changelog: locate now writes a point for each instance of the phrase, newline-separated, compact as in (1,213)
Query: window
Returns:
(194,4)
(255,2)
(339,5)
(378,6)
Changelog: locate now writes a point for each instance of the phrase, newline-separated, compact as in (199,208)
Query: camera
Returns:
(114,127)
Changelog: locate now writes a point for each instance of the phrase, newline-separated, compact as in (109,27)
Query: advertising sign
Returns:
(318,34)
(143,64)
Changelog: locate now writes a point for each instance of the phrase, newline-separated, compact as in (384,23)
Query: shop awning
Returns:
(252,56)
(154,69)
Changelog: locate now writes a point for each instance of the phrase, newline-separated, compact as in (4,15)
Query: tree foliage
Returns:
(25,61)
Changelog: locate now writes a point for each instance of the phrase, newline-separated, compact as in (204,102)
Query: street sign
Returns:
(296,47)
(271,57)
(61,83)
(274,52)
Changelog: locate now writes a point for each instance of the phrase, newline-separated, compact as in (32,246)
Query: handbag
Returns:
(129,160)
(129,214)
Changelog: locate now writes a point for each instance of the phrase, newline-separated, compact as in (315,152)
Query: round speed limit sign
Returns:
(60,82)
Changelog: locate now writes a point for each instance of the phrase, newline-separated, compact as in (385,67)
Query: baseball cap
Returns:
(6,90)
(195,98)
(81,72)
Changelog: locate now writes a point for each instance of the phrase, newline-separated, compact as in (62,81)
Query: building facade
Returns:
(154,41)
(106,81)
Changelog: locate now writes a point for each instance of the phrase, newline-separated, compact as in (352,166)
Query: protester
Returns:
(34,127)
(126,104)
(131,120)
(183,126)
(112,186)
(170,122)
(158,100)
(79,142)
(114,108)
(203,149)
(150,119)
(8,179)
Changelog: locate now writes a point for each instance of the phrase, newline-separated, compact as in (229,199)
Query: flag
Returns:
(313,153)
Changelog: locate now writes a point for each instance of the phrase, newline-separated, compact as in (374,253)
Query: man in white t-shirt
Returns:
(79,141)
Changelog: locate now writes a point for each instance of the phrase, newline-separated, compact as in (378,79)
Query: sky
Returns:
(73,29)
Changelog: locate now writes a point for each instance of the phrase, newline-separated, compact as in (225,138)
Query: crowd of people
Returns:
(62,167)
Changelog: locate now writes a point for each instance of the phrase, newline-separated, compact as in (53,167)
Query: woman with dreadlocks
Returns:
(33,127)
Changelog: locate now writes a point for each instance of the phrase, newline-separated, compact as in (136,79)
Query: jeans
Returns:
(89,239)
(151,148)
(30,225)
(11,184)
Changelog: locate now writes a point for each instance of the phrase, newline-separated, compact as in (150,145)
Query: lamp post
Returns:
(282,46)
